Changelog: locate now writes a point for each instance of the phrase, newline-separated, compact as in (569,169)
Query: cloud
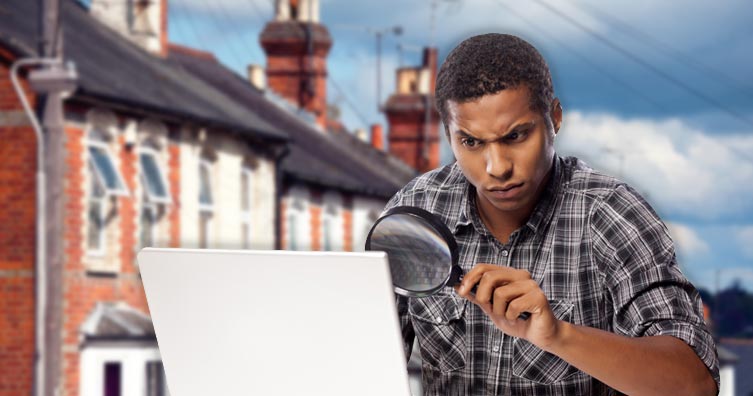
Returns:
(687,241)
(745,239)
(684,171)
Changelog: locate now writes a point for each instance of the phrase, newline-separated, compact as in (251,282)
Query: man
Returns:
(582,252)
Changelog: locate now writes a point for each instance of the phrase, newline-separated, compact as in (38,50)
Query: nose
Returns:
(498,162)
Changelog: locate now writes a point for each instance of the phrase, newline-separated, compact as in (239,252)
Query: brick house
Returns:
(153,157)
(164,146)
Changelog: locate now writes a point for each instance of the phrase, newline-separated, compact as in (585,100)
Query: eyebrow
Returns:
(517,128)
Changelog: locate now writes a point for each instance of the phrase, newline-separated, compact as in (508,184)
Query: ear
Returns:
(555,115)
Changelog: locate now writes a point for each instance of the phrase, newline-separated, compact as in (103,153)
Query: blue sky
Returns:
(657,93)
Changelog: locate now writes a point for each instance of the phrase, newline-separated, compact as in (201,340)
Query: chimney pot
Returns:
(257,77)
(377,137)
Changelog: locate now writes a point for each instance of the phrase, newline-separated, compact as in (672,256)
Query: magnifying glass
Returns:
(422,252)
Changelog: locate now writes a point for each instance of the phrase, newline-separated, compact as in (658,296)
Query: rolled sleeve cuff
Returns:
(697,338)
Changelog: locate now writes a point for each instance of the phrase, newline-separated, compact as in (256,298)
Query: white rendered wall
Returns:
(132,357)
(365,212)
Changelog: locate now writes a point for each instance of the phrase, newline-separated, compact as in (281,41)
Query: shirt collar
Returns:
(544,210)
(541,214)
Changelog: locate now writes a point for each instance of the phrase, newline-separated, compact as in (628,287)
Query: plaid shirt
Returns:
(598,251)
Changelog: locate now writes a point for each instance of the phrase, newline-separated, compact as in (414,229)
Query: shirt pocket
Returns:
(534,364)
(439,323)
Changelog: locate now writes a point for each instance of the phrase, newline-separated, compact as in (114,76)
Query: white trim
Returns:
(247,214)
(203,163)
(155,156)
(133,358)
(105,147)
(101,249)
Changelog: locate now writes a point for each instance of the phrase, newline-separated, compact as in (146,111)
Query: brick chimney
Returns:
(297,45)
(377,137)
(413,119)
(143,22)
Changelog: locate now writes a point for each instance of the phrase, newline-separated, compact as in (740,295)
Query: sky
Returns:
(659,94)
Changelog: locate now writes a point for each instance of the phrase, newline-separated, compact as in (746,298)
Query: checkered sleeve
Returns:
(649,294)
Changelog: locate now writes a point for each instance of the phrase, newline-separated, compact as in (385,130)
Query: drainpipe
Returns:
(60,79)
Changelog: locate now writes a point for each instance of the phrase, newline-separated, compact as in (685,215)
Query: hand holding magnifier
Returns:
(422,253)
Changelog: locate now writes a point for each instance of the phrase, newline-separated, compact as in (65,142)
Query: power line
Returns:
(664,48)
(585,59)
(645,64)
(347,100)
(218,27)
(226,15)
(198,38)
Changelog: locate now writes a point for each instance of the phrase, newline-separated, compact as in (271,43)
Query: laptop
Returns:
(274,322)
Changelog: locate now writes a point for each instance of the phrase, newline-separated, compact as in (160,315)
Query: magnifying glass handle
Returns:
(522,316)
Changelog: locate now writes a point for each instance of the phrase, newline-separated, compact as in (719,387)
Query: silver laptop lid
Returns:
(274,322)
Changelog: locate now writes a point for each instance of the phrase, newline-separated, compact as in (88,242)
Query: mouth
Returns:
(504,192)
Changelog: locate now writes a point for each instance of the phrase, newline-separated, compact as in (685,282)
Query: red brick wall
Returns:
(82,291)
(316,227)
(348,228)
(18,148)
(284,76)
(127,207)
(406,139)
(173,179)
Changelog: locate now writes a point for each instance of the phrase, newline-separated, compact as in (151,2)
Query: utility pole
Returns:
(51,109)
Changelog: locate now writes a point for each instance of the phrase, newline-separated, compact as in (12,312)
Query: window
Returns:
(293,232)
(153,178)
(332,223)
(155,379)
(246,200)
(112,379)
(96,224)
(105,170)
(155,193)
(206,203)
(327,231)
(148,222)
(105,180)
(205,186)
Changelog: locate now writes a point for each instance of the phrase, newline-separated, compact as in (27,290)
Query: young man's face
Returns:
(504,148)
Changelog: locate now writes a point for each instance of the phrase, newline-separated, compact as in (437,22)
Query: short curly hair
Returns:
(486,64)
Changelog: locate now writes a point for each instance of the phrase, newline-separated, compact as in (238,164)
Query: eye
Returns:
(517,136)
(469,142)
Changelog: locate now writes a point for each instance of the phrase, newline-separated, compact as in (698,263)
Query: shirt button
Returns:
(495,349)
(505,253)
(439,319)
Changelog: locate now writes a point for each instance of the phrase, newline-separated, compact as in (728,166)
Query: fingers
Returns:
(529,302)
(506,295)
(488,277)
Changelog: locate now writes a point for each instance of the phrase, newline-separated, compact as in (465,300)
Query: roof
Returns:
(117,321)
(113,70)
(334,160)
(742,348)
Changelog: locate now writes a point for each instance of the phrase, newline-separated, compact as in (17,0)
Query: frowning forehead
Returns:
(492,116)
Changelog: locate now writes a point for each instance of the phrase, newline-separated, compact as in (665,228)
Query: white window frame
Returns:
(327,236)
(206,209)
(100,250)
(155,156)
(202,206)
(246,218)
(151,207)
(123,190)
(293,231)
